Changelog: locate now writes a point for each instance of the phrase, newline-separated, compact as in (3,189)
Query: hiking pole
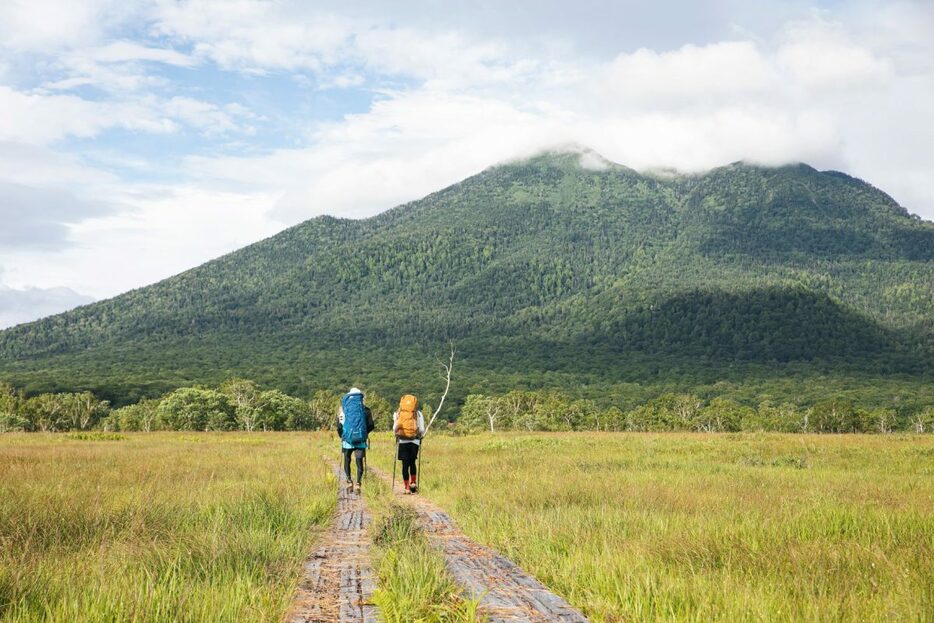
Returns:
(418,471)
(395,455)
(340,469)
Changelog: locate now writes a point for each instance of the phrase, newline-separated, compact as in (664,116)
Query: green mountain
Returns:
(595,279)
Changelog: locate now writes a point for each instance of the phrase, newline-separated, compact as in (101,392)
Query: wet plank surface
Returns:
(338,581)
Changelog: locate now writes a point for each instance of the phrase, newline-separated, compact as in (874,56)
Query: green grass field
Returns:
(156,527)
(628,527)
(662,527)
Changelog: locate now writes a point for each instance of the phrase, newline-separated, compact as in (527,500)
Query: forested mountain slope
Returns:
(544,272)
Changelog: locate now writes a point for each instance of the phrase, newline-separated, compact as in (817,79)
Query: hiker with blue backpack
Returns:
(354,425)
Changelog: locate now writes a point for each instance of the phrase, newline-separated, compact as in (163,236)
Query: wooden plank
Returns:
(338,582)
(507,594)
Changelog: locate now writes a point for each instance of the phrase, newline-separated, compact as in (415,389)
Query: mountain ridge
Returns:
(542,250)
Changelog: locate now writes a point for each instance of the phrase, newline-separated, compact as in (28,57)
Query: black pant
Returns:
(408,453)
(358,455)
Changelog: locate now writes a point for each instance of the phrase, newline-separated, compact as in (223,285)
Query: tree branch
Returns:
(448,367)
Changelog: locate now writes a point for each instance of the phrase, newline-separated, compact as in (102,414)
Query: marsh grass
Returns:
(213,527)
(414,584)
(680,527)
(154,528)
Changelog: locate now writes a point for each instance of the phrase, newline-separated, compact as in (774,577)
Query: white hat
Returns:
(354,390)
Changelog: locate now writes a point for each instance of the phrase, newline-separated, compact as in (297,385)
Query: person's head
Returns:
(354,390)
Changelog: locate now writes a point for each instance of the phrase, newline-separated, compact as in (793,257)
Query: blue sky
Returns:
(140,138)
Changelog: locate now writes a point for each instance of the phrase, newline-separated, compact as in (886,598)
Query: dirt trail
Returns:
(507,594)
(338,581)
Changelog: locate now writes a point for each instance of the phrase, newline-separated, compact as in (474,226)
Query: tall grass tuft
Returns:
(414,584)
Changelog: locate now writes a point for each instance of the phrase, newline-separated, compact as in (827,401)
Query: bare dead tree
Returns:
(88,407)
(247,403)
(448,367)
(515,400)
(687,408)
(148,417)
(492,411)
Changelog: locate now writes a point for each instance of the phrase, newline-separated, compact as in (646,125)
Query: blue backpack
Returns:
(354,419)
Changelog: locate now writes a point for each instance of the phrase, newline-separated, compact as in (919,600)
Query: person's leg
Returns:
(358,456)
(413,478)
(404,457)
(414,469)
(347,464)
(408,465)
(401,454)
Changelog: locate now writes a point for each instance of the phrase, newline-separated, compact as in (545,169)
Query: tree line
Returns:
(240,404)
(547,410)
(237,404)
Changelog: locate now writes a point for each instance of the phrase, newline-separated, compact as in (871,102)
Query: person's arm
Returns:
(395,422)
(370,425)
(421,425)
(340,422)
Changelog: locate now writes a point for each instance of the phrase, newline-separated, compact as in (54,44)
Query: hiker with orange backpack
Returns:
(354,425)
(408,424)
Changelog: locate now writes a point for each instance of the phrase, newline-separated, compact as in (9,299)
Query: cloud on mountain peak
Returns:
(196,117)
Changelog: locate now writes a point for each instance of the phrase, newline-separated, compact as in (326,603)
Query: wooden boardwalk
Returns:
(507,594)
(338,581)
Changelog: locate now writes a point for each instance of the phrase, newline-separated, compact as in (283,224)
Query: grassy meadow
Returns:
(158,527)
(693,527)
(628,527)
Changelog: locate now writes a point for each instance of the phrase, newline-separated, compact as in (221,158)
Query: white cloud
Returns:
(259,37)
(118,67)
(693,142)
(849,88)
(82,72)
(40,119)
(27,304)
(404,148)
(207,117)
(820,55)
(341,81)
(444,59)
(43,25)
(37,217)
(34,165)
(254,36)
(691,75)
(161,233)
(416,144)
(125,51)
(691,108)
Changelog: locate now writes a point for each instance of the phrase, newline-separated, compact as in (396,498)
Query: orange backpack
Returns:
(407,422)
